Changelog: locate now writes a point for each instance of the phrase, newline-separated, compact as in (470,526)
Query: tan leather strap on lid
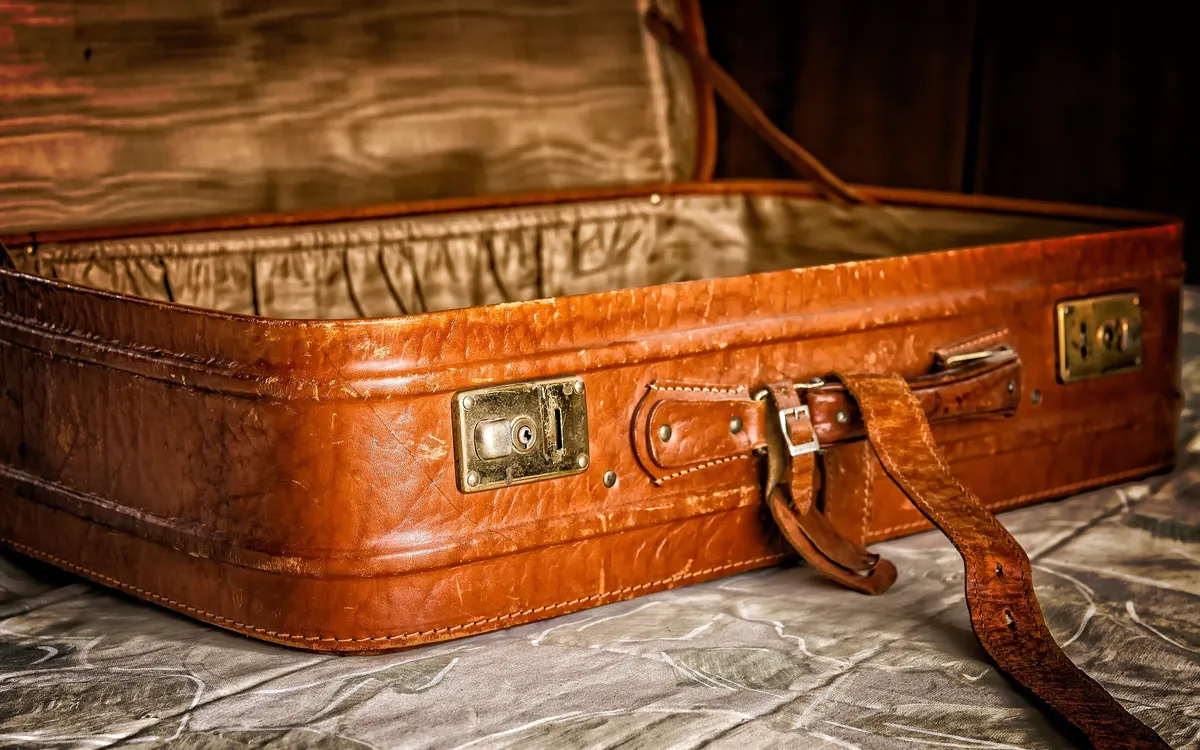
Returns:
(1004,611)
(750,113)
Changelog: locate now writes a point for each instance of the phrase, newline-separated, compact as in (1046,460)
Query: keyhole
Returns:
(1107,334)
(524,434)
(1083,340)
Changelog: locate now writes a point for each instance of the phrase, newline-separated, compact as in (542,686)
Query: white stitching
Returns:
(714,462)
(699,388)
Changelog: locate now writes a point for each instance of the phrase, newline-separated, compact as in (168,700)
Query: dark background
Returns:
(1081,102)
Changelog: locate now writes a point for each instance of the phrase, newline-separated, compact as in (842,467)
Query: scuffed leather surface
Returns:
(774,658)
(171,110)
(293,479)
(388,267)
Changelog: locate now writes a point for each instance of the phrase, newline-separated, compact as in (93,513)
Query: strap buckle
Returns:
(798,449)
(795,449)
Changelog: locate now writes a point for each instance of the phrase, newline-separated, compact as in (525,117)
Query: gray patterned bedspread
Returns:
(775,658)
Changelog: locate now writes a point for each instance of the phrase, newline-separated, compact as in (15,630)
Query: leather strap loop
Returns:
(791,489)
(1004,610)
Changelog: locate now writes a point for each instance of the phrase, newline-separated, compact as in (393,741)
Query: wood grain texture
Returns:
(121,112)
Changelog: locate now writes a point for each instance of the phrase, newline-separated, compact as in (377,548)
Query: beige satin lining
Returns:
(196,109)
(390,267)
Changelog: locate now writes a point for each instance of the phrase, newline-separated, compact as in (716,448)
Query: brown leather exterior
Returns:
(294,480)
(1004,610)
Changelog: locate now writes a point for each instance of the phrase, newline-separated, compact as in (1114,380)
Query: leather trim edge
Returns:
(246,628)
(236,625)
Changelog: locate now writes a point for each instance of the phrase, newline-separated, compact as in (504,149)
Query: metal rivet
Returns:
(472,479)
(999,570)
(583,462)
(578,386)
(1138,361)
(610,478)
(1036,397)
(1012,386)
(664,433)
(735,425)
(842,417)
(1067,310)
(1137,301)
(468,402)
(655,199)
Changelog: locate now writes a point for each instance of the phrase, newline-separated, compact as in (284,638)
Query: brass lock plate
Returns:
(1099,336)
(520,432)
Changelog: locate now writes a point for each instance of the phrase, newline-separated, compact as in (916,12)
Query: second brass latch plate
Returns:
(1099,336)
(520,432)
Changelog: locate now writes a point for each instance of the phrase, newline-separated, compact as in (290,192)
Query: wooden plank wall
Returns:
(1085,102)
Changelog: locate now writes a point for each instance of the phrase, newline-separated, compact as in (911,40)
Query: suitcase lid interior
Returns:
(117,114)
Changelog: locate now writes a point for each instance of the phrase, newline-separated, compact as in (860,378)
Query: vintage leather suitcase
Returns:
(365,428)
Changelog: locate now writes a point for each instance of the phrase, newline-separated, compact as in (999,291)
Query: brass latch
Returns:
(520,432)
(1099,336)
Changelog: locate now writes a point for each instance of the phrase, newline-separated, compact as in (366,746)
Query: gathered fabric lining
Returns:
(390,267)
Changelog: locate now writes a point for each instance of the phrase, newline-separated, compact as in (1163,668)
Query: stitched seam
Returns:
(977,341)
(34,552)
(714,462)
(875,535)
(868,503)
(701,388)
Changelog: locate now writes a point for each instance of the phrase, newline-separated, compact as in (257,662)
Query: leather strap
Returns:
(708,425)
(744,107)
(712,424)
(1004,611)
(791,488)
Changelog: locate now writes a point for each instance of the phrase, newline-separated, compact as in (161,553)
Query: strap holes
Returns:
(1009,620)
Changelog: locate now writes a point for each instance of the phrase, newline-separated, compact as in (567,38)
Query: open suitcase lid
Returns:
(182,111)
